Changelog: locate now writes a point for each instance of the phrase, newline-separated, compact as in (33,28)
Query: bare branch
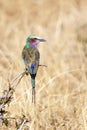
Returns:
(22,75)
(17,76)
(23,124)
(7,95)
(6,99)
(42,65)
(13,80)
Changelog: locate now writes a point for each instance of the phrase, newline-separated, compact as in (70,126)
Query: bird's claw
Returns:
(26,70)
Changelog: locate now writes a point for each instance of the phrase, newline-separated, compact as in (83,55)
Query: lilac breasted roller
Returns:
(31,58)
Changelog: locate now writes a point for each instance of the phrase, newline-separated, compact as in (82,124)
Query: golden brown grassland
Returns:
(61,100)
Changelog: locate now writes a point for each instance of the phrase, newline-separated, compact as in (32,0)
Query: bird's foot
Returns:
(26,70)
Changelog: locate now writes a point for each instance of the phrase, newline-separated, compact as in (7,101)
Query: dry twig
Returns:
(23,124)
(7,96)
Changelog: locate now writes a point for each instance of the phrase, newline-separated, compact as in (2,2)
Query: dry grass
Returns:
(62,86)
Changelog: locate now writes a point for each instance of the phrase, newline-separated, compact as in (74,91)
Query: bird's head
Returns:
(33,41)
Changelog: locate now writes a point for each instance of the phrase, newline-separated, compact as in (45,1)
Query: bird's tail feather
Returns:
(32,72)
(33,82)
(33,88)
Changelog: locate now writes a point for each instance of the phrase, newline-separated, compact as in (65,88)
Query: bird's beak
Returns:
(42,40)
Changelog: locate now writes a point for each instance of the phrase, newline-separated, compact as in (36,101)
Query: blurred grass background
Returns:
(62,86)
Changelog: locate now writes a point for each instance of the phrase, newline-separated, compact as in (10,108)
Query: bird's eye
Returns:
(32,40)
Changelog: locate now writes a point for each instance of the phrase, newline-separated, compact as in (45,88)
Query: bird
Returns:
(31,59)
